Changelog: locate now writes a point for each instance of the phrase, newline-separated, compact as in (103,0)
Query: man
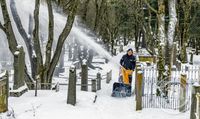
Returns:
(128,62)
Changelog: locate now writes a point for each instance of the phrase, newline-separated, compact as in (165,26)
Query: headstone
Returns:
(94,85)
(19,64)
(98,81)
(71,98)
(84,76)
(19,87)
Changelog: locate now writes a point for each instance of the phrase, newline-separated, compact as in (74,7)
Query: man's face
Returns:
(130,52)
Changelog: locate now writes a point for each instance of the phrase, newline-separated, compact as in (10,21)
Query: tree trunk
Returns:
(171,32)
(36,40)
(7,28)
(50,40)
(161,38)
(85,10)
(186,8)
(23,33)
(62,38)
(99,13)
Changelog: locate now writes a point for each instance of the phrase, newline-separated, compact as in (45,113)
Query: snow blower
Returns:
(122,88)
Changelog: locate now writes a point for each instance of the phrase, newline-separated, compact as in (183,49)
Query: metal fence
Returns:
(172,100)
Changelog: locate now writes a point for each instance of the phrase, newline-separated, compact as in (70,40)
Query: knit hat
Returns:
(130,49)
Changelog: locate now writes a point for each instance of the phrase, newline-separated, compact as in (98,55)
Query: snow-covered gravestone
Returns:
(19,87)
(19,64)
(71,97)
(4,90)
(84,76)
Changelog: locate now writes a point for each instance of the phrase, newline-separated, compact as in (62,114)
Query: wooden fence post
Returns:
(139,91)
(84,76)
(4,91)
(182,98)
(94,85)
(198,79)
(195,90)
(71,98)
(198,106)
(98,81)
(138,68)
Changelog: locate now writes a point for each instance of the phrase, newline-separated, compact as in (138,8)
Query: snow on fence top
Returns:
(191,71)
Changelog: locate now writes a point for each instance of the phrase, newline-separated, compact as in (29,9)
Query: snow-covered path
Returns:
(52,105)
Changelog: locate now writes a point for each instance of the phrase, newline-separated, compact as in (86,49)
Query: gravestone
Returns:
(19,87)
(19,64)
(98,81)
(84,76)
(94,85)
(71,97)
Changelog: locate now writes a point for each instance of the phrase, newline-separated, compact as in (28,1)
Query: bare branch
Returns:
(150,7)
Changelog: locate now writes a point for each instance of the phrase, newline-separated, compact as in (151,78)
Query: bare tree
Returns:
(186,4)
(25,36)
(8,29)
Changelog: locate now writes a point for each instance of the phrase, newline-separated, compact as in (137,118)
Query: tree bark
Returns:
(7,28)
(186,8)
(171,32)
(36,39)
(85,10)
(99,13)
(62,38)
(50,40)
(161,45)
(161,38)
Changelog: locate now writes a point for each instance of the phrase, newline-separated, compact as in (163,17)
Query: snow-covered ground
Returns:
(53,105)
(196,60)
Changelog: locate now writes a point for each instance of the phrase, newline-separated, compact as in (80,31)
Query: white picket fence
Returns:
(150,82)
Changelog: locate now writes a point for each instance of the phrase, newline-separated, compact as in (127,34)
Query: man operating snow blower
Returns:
(123,87)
